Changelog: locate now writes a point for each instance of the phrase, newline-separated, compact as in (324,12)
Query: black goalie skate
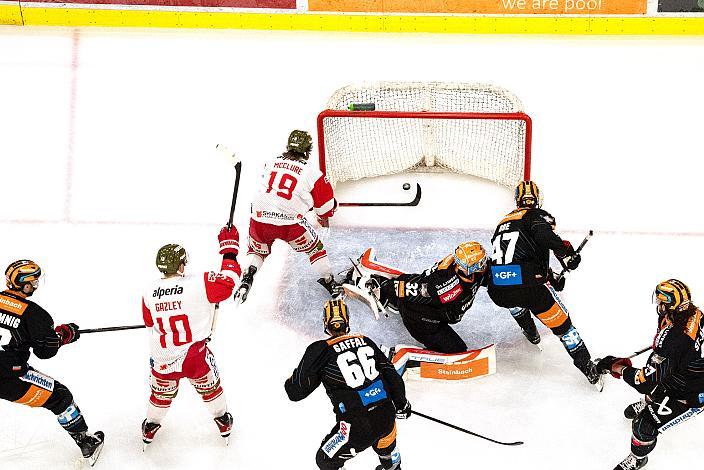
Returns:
(634,409)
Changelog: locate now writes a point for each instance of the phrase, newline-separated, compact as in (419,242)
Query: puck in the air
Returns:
(406,186)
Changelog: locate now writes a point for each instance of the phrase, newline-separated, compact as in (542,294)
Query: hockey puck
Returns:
(406,186)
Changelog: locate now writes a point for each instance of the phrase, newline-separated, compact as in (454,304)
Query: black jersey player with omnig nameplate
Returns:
(365,390)
(24,325)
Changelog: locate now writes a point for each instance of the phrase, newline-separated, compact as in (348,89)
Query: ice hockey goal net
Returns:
(468,128)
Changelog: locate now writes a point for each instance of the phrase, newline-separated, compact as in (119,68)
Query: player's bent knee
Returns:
(60,399)
(645,430)
(326,463)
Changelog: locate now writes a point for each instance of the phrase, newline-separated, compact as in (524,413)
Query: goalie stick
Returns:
(639,352)
(238,169)
(413,202)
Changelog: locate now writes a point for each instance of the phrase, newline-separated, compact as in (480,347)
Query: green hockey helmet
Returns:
(170,257)
(299,142)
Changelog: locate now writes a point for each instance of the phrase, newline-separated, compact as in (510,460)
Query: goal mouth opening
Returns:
(358,144)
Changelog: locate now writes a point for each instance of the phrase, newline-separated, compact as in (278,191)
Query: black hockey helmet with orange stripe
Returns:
(336,318)
(672,297)
(527,195)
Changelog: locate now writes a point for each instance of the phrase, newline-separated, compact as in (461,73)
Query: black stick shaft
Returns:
(517,443)
(577,251)
(238,170)
(111,328)
(639,352)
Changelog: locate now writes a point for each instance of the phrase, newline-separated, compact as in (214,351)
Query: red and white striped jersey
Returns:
(289,189)
(179,312)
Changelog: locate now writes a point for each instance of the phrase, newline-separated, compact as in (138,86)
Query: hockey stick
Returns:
(576,252)
(111,328)
(413,202)
(639,352)
(238,169)
(517,443)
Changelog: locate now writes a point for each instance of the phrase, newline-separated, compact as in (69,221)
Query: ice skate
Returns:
(634,409)
(148,432)
(593,376)
(632,463)
(533,336)
(332,286)
(245,284)
(90,444)
(224,423)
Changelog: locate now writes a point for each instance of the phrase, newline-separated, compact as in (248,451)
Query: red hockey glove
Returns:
(606,365)
(68,333)
(622,361)
(572,259)
(229,240)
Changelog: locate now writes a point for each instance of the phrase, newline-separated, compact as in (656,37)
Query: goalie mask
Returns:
(528,195)
(299,142)
(170,257)
(672,296)
(336,320)
(470,258)
(22,273)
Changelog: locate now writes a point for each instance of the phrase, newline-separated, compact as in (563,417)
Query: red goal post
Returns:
(467,128)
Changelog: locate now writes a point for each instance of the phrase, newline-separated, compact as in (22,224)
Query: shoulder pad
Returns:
(543,215)
(446,262)
(516,214)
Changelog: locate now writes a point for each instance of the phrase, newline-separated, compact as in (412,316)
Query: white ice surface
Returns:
(106,152)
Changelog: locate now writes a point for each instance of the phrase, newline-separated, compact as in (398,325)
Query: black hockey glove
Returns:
(68,333)
(605,366)
(557,284)
(405,411)
(572,259)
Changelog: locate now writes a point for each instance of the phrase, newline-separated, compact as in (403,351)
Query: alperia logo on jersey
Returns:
(338,440)
(160,292)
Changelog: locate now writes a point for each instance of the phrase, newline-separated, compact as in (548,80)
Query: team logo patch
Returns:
(373,393)
(509,275)
(338,440)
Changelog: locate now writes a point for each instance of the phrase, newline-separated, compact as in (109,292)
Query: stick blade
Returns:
(225,151)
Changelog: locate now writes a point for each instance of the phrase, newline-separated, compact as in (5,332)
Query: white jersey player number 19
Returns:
(286,184)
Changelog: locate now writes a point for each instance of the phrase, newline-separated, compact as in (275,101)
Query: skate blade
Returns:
(539,346)
(227,441)
(94,458)
(599,385)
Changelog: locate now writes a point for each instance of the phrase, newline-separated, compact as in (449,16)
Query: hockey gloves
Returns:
(606,365)
(405,411)
(68,333)
(572,259)
(557,284)
(229,240)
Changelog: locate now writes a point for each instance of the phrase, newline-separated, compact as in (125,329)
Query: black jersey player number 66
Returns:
(354,373)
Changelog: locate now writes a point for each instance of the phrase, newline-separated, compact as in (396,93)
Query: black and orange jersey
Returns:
(676,365)
(521,248)
(353,370)
(24,325)
(438,294)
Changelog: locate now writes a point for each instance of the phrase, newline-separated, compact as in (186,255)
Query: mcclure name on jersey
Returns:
(286,166)
(170,291)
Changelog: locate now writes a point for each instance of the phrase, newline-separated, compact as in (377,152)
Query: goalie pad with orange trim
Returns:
(438,366)
(360,284)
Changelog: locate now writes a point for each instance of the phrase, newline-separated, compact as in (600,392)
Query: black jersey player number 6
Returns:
(5,337)
(500,256)
(355,373)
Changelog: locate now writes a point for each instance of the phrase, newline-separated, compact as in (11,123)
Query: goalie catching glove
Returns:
(404,412)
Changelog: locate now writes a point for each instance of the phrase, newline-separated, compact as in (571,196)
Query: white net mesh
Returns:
(359,146)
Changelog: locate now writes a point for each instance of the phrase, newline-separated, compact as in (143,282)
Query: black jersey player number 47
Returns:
(355,373)
(504,257)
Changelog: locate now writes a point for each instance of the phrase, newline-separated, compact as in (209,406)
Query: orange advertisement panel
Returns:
(283,4)
(516,7)
(456,371)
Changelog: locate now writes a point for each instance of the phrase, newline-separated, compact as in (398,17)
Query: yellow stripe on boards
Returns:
(11,14)
(364,23)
